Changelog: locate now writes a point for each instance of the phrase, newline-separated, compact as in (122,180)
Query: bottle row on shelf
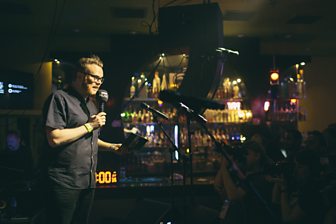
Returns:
(291,89)
(285,116)
(179,135)
(231,89)
(228,116)
(160,163)
(143,116)
(200,139)
(150,88)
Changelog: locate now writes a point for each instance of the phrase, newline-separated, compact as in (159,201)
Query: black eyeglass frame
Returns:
(95,77)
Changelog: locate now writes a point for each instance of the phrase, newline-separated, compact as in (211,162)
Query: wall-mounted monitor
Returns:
(16,90)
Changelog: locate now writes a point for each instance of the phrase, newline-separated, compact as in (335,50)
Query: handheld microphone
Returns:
(102,98)
(153,111)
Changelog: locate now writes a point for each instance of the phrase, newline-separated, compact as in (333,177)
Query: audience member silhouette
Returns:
(244,207)
(16,160)
(299,197)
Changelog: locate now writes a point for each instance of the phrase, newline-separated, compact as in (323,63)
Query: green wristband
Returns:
(88,127)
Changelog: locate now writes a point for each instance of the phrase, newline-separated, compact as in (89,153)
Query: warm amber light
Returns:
(274,76)
(293,101)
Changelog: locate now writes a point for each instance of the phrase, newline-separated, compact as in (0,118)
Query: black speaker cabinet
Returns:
(198,28)
(191,25)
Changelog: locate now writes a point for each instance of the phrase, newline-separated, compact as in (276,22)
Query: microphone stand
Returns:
(136,94)
(236,171)
(171,151)
(191,114)
(233,167)
(190,151)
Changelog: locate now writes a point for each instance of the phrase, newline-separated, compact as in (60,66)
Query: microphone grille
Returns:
(102,95)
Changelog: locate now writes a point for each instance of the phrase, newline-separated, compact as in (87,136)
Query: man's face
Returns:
(92,79)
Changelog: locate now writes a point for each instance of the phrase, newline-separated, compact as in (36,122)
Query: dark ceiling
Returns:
(31,29)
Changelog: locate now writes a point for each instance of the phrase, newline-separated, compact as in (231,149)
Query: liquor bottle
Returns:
(227,88)
(132,88)
(156,84)
(142,83)
(235,91)
(164,82)
(149,90)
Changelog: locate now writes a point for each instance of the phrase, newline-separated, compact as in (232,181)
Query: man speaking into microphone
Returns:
(72,122)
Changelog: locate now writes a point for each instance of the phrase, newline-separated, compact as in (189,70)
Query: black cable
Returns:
(169,3)
(52,31)
(53,21)
(154,17)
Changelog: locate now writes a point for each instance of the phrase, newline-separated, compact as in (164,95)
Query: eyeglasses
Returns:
(96,78)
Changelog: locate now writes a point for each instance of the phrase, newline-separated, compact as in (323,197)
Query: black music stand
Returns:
(133,142)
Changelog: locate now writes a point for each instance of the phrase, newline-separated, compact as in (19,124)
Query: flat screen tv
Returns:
(16,90)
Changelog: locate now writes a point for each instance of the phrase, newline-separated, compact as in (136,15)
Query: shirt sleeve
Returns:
(56,114)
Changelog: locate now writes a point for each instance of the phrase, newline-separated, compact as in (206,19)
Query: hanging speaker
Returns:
(198,28)
(191,25)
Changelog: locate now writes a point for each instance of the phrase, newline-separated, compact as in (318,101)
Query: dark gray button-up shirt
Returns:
(72,165)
